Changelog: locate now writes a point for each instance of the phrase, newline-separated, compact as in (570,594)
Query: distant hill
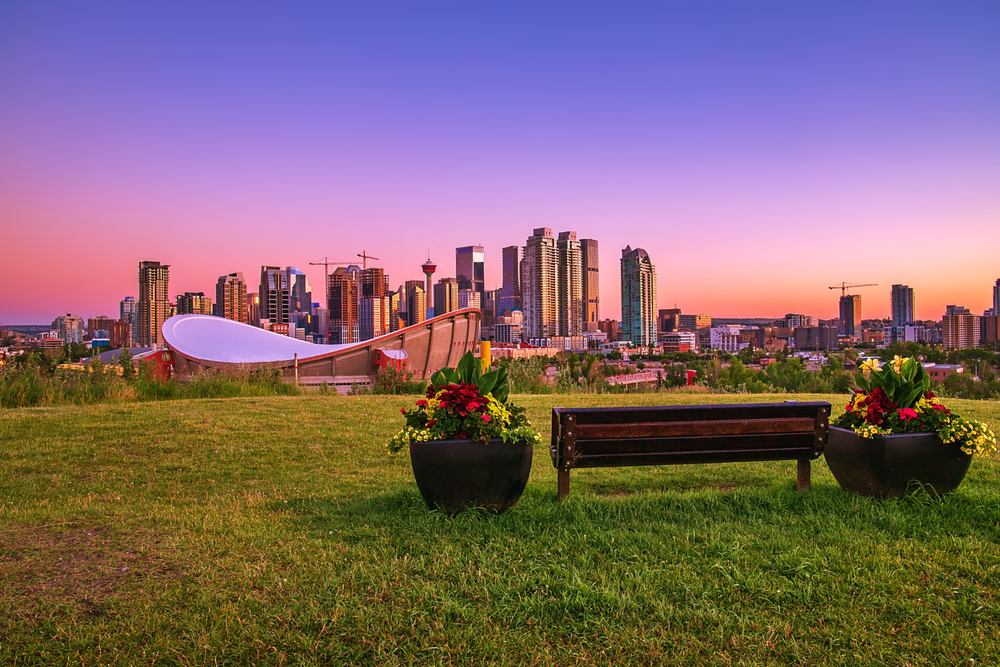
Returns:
(30,329)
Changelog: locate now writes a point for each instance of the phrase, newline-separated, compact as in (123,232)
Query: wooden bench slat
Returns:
(695,428)
(734,443)
(678,458)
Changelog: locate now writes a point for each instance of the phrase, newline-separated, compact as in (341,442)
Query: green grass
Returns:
(276,531)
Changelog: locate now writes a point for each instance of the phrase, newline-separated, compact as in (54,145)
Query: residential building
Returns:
(996,298)
(570,285)
(101,323)
(120,334)
(610,329)
(445,296)
(153,306)
(850,316)
(374,307)
(343,306)
(678,341)
(591,283)
(273,295)
(299,292)
(416,302)
(902,305)
(231,298)
(253,309)
(470,270)
(539,285)
(989,332)
(510,289)
(507,328)
(727,338)
(817,338)
(960,328)
(638,281)
(69,328)
(193,303)
(128,310)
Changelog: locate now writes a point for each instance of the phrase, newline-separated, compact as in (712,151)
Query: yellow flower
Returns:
(897,363)
(870,365)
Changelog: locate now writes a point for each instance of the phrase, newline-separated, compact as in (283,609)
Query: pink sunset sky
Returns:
(759,152)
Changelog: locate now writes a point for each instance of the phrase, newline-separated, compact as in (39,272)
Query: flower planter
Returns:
(893,465)
(454,475)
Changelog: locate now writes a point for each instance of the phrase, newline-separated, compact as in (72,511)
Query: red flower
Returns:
(908,414)
(421,403)
(403,410)
(486,418)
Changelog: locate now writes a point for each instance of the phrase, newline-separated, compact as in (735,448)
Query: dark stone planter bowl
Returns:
(454,475)
(893,465)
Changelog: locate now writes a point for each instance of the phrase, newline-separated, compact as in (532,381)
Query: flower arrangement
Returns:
(465,403)
(896,398)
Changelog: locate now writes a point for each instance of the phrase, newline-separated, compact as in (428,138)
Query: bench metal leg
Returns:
(804,481)
(563,484)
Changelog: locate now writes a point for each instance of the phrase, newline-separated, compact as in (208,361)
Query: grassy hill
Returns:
(277,531)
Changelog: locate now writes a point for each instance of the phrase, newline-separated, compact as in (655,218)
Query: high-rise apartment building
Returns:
(273,295)
(445,296)
(996,298)
(374,307)
(539,285)
(468,298)
(638,297)
(510,289)
(128,310)
(193,303)
(153,306)
(902,305)
(960,328)
(850,315)
(416,302)
(231,298)
(299,292)
(591,283)
(101,323)
(253,309)
(570,282)
(70,328)
(470,269)
(343,291)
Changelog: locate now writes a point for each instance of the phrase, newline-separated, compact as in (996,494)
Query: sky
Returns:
(760,152)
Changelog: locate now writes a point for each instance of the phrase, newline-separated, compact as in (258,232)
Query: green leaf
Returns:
(465,367)
(439,379)
(502,387)
(487,382)
(862,382)
(910,398)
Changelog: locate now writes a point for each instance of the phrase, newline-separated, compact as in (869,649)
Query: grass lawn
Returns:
(277,531)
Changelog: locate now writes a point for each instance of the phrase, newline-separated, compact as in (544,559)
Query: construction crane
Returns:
(365,257)
(843,287)
(326,274)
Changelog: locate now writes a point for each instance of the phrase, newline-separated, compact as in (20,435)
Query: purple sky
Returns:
(759,152)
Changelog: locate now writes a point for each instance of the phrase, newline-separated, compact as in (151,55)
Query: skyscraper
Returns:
(510,287)
(996,298)
(299,292)
(193,303)
(902,305)
(343,291)
(638,297)
(960,328)
(374,307)
(273,295)
(231,297)
(570,283)
(153,306)
(128,311)
(416,302)
(445,296)
(591,283)
(850,315)
(470,269)
(253,309)
(539,285)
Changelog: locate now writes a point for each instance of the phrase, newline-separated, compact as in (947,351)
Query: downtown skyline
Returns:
(759,155)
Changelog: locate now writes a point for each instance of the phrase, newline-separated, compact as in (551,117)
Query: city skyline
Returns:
(759,154)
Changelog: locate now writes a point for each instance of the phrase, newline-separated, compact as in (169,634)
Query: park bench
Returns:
(669,435)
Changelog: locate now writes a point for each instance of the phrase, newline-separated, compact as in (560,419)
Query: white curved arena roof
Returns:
(217,339)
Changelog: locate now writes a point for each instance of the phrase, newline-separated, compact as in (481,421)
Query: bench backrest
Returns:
(600,437)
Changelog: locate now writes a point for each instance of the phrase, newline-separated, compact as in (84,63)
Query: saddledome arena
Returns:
(201,342)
